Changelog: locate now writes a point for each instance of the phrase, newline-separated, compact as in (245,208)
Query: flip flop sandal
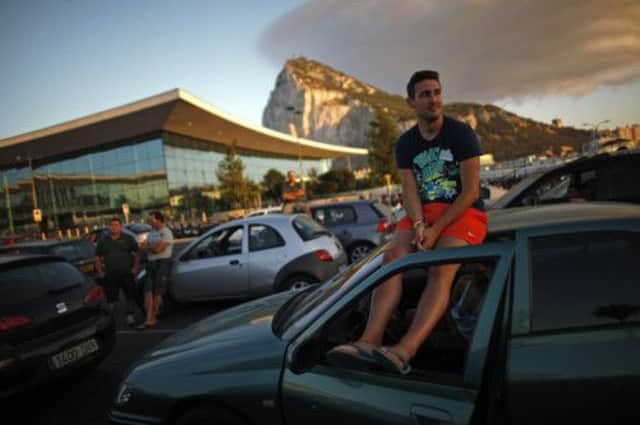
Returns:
(392,361)
(357,356)
(143,326)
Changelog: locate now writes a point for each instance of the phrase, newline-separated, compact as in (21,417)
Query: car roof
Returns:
(341,203)
(513,219)
(264,218)
(50,242)
(14,260)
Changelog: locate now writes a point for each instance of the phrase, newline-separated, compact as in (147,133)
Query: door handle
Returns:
(430,415)
(235,263)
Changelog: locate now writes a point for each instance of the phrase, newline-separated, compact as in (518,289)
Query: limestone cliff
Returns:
(332,107)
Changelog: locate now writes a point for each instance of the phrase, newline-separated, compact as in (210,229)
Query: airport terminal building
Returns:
(157,153)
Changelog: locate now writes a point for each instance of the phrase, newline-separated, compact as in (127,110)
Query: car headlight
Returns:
(124,394)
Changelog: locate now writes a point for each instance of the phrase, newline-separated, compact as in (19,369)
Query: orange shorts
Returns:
(471,226)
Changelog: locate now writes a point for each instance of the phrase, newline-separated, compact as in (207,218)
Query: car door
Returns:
(575,345)
(341,220)
(214,267)
(319,393)
(267,254)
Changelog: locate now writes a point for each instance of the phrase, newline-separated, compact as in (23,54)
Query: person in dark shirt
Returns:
(439,167)
(118,262)
(292,195)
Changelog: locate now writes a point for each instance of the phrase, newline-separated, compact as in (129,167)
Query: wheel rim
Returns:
(299,285)
(359,252)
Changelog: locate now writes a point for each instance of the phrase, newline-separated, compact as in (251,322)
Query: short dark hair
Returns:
(116,219)
(418,76)
(157,215)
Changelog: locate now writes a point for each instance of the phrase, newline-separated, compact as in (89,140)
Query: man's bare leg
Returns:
(385,297)
(433,303)
(148,302)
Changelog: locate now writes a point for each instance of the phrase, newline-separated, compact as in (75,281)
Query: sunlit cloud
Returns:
(486,50)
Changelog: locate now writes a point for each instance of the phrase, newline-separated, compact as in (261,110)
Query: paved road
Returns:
(86,400)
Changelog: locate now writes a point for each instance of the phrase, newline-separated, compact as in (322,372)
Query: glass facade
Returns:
(173,173)
(86,189)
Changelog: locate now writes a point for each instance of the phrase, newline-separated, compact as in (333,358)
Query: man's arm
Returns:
(99,263)
(158,247)
(99,259)
(470,178)
(410,197)
(135,251)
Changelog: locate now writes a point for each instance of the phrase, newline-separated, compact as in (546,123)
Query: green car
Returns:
(543,327)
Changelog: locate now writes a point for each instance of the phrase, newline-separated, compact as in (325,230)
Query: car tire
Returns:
(298,282)
(358,251)
(204,415)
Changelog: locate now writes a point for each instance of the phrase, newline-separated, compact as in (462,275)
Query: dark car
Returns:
(53,320)
(542,327)
(79,252)
(360,225)
(138,231)
(604,177)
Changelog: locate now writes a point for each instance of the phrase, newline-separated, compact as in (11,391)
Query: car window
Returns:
(443,355)
(307,228)
(335,216)
(68,251)
(381,210)
(264,237)
(19,284)
(552,188)
(584,279)
(220,243)
(60,275)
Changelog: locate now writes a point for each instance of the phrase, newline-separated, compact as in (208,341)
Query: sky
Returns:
(574,59)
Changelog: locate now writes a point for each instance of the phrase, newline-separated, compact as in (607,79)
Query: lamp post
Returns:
(595,144)
(293,130)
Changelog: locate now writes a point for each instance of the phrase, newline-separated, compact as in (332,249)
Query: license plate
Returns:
(87,268)
(74,354)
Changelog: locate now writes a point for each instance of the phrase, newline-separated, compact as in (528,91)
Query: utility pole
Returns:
(33,183)
(294,131)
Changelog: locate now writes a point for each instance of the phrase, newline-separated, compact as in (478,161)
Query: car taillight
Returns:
(323,255)
(9,323)
(94,295)
(383,225)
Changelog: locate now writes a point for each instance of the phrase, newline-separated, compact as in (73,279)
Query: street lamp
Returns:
(595,144)
(293,130)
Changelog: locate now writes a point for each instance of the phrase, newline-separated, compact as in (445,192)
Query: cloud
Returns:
(486,50)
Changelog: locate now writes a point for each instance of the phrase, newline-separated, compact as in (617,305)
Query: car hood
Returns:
(225,341)
(232,356)
(237,324)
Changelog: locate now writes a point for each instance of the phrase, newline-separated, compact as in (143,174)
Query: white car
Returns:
(256,256)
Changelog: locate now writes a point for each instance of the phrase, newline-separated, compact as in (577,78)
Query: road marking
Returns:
(147,331)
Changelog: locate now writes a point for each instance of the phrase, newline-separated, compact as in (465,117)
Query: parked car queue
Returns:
(541,328)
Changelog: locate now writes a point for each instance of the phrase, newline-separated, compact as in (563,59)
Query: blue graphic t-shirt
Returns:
(436,163)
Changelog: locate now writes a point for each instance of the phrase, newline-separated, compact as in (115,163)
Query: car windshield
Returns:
(516,190)
(307,228)
(306,305)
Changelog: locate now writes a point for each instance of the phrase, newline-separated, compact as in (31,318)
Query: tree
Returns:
(336,180)
(382,134)
(236,191)
(272,184)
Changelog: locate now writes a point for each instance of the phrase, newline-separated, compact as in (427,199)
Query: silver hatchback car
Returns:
(256,256)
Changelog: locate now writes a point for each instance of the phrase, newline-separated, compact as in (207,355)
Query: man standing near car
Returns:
(118,262)
(159,249)
(292,195)
(439,167)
